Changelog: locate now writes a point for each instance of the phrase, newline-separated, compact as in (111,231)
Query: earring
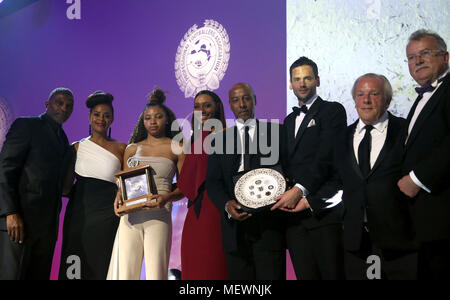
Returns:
(90,129)
(109,134)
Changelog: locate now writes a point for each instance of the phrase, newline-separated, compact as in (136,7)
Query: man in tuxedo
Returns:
(314,241)
(367,157)
(253,242)
(32,167)
(426,162)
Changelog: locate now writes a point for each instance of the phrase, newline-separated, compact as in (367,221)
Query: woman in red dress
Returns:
(202,256)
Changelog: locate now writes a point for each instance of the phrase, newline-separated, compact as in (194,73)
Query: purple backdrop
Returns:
(127,48)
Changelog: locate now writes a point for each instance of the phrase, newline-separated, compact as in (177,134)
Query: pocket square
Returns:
(311,123)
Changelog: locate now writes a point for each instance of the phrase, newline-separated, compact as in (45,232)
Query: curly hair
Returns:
(156,98)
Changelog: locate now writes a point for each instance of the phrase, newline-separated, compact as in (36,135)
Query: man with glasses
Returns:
(426,164)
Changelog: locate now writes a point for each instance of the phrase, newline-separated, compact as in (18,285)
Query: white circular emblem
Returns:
(202,58)
(6,118)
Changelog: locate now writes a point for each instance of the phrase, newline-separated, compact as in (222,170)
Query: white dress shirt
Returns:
(298,123)
(422,102)
(378,134)
(299,119)
(251,123)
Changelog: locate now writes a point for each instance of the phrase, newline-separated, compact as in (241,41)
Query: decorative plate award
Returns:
(135,186)
(257,189)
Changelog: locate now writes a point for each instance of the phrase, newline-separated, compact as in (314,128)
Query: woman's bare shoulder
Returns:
(131,147)
(120,146)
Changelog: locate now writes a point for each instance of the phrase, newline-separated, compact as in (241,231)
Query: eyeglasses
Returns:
(423,54)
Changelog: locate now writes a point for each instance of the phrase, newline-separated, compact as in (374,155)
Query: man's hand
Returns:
(301,205)
(232,207)
(15,227)
(289,199)
(408,187)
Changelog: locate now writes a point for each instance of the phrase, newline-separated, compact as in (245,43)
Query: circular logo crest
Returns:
(6,118)
(202,58)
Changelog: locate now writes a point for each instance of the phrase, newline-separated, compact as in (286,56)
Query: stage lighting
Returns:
(9,7)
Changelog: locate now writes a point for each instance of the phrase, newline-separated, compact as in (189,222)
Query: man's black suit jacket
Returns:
(387,210)
(308,155)
(220,185)
(427,153)
(32,167)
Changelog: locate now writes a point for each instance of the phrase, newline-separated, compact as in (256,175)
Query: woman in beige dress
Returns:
(148,233)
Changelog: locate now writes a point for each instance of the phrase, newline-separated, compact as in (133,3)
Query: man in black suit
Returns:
(367,157)
(314,242)
(253,242)
(426,164)
(31,173)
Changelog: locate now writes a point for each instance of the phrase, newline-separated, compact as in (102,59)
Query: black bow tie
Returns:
(297,110)
(428,87)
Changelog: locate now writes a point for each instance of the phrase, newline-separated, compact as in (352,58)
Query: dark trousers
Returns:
(30,261)
(434,260)
(261,254)
(387,264)
(317,253)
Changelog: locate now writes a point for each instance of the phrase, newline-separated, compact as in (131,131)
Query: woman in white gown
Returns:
(148,233)
(90,224)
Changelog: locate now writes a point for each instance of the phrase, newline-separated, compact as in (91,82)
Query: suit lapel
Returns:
(258,134)
(350,151)
(388,144)
(237,150)
(313,110)
(54,138)
(254,157)
(426,111)
(290,135)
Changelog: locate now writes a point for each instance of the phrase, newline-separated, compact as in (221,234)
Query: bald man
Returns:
(253,242)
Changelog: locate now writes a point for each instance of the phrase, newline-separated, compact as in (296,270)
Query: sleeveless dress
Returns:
(202,256)
(146,233)
(90,224)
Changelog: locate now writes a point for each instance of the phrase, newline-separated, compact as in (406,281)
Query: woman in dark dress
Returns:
(202,256)
(90,224)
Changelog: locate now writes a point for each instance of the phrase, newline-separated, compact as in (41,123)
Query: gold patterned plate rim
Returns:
(271,185)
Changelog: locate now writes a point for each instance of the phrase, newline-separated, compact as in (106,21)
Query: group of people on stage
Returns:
(377,188)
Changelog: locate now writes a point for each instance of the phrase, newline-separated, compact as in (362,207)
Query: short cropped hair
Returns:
(387,88)
(61,90)
(302,61)
(421,33)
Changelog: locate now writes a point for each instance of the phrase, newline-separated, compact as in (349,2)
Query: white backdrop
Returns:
(348,38)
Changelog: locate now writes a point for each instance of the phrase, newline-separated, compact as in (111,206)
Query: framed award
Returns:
(135,186)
